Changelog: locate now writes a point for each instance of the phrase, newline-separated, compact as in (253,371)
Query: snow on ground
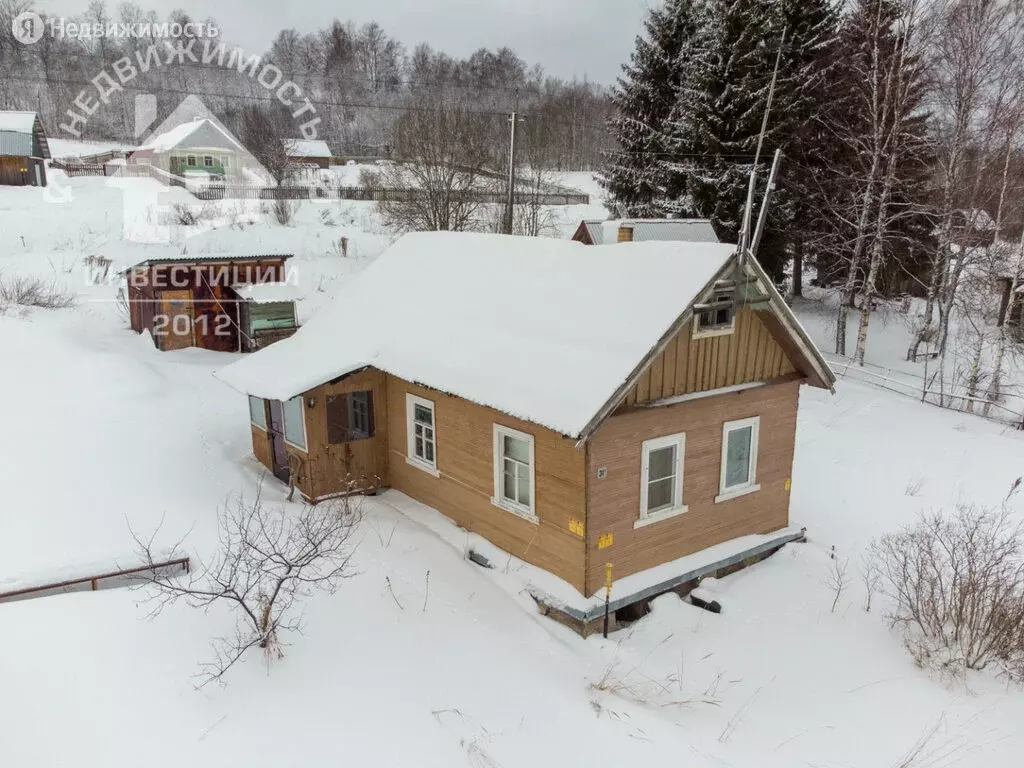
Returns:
(105,431)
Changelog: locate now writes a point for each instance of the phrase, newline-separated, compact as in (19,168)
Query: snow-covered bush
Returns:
(284,210)
(957,586)
(27,291)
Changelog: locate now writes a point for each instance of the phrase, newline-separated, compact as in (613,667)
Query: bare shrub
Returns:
(957,583)
(837,579)
(35,292)
(284,210)
(268,561)
(185,215)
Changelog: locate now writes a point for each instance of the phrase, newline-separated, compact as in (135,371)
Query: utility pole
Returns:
(510,204)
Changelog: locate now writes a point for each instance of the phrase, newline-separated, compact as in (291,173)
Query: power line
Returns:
(250,97)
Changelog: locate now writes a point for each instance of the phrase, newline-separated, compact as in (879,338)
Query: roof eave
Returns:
(822,377)
(613,402)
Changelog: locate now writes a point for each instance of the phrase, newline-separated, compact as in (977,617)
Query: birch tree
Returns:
(974,59)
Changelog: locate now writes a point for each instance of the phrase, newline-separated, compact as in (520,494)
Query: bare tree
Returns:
(268,562)
(265,135)
(441,151)
(975,64)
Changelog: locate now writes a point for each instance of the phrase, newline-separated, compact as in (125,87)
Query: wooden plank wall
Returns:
(614,501)
(261,447)
(327,469)
(749,353)
(465,486)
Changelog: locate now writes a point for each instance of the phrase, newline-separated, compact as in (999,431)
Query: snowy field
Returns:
(109,433)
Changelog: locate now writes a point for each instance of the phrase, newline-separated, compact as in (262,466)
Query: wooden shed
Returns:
(23,150)
(206,301)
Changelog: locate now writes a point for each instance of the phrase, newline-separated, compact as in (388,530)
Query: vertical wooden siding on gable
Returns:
(614,501)
(749,353)
(464,489)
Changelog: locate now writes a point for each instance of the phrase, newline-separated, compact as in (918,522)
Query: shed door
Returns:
(174,327)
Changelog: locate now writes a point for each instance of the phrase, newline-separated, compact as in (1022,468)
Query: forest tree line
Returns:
(361,81)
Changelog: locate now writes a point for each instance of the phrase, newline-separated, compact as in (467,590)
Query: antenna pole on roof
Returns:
(744,238)
(763,215)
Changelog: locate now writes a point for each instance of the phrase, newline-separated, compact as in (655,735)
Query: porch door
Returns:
(174,326)
(278,455)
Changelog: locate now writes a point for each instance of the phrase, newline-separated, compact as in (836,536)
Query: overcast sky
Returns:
(582,38)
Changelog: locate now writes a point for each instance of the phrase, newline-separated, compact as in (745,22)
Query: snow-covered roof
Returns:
(545,330)
(17,122)
(307,148)
(680,230)
(189,258)
(170,139)
(268,293)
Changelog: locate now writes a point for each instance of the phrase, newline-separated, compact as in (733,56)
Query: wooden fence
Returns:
(375,194)
(215,191)
(931,390)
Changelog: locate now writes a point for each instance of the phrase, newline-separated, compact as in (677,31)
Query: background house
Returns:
(571,411)
(200,146)
(23,149)
(602,232)
(313,152)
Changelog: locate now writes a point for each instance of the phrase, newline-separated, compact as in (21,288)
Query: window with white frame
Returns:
(661,489)
(421,432)
(295,422)
(514,471)
(739,457)
(257,412)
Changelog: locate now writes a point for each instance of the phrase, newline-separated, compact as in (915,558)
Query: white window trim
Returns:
(703,333)
(284,423)
(498,458)
(679,508)
(723,330)
(724,494)
(411,401)
(264,404)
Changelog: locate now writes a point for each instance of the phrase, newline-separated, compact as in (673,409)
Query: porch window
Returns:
(350,417)
(739,458)
(661,472)
(420,429)
(190,160)
(514,472)
(295,423)
(208,161)
(257,412)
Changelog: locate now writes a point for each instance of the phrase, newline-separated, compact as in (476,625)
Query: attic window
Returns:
(716,316)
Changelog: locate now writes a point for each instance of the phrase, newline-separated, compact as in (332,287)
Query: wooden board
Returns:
(175,324)
(752,352)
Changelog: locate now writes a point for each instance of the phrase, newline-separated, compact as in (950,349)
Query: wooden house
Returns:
(228,303)
(198,148)
(312,152)
(23,150)
(576,406)
(601,232)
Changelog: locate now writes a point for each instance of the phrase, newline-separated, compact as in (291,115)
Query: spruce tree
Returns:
(721,103)
(639,175)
